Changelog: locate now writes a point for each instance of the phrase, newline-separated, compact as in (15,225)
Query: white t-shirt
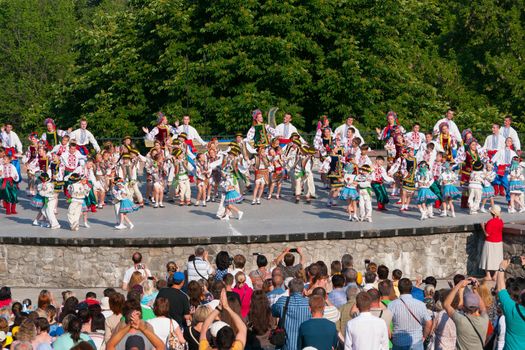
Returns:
(161,327)
(129,272)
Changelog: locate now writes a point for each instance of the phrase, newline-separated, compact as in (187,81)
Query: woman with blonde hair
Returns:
(136,279)
(485,293)
(149,292)
(194,332)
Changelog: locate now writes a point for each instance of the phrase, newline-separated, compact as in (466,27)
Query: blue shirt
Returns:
(337,297)
(407,330)
(418,294)
(319,333)
(298,312)
(515,325)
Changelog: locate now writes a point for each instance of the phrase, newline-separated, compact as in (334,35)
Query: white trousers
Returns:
(185,190)
(365,205)
(49,211)
(73,214)
(474,198)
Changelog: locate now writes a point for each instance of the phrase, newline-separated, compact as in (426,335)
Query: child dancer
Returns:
(488,190)
(203,178)
(349,192)
(425,196)
(38,200)
(231,197)
(49,194)
(156,169)
(379,176)
(31,160)
(77,192)
(261,165)
(475,187)
(333,167)
(125,204)
(365,190)
(276,178)
(448,178)
(516,187)
(181,177)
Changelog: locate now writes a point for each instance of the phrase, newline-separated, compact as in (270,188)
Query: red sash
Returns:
(501,169)
(190,143)
(284,141)
(492,153)
(11,150)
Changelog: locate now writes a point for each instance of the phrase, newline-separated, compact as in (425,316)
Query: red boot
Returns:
(502,190)
(496,190)
(437,204)
(13,208)
(7,208)
(380,206)
(93,208)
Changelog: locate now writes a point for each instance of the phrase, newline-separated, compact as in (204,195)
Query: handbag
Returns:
(278,334)
(173,343)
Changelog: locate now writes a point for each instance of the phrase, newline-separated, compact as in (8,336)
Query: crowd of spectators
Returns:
(282,304)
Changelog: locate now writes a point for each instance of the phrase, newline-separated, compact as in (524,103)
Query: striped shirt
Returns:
(407,330)
(337,297)
(298,312)
(198,269)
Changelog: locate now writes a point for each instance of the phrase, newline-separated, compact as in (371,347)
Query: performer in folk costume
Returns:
(51,137)
(447,143)
(232,196)
(8,184)
(392,124)
(61,147)
(77,191)
(349,192)
(323,141)
(501,161)
(466,160)
(13,147)
(260,133)
(363,156)
(303,175)
(72,161)
(494,142)
(395,146)
(191,133)
(408,166)
(475,187)
(333,168)
(157,169)
(38,200)
(488,190)
(56,172)
(215,178)
(378,177)
(448,180)
(203,178)
(30,159)
(516,187)
(261,165)
(425,197)
(416,138)
(365,193)
(436,168)
(276,175)
(162,132)
(125,204)
(88,173)
(84,138)
(46,201)
(128,171)
(346,131)
(182,179)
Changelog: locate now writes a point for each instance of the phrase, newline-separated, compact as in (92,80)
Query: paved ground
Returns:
(271,217)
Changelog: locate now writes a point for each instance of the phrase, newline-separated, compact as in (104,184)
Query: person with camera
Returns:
(492,252)
(472,322)
(289,267)
(199,267)
(137,266)
(512,304)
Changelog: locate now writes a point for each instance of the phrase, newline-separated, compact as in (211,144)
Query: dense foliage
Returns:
(119,62)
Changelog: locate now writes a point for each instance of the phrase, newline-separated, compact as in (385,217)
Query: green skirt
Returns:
(436,189)
(380,191)
(9,191)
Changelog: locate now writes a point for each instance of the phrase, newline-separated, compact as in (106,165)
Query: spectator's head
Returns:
(23,345)
(195,293)
(129,307)
(91,295)
(277,277)
(317,304)
(200,315)
(382,272)
(372,267)
(471,301)
(109,291)
(222,260)
(375,297)
(98,322)
(260,314)
(224,336)
(240,279)
(136,279)
(338,281)
(42,325)
(458,278)
(336,267)
(74,327)
(148,287)
(161,307)
(430,280)
(386,288)
(66,294)
(320,291)
(370,277)
(405,286)
(289,259)
(429,291)
(26,331)
(44,299)
(199,252)
(261,261)
(228,279)
(70,307)
(136,258)
(116,303)
(177,280)
(135,342)
(351,293)
(239,261)
(216,288)
(51,312)
(396,275)
(350,275)
(363,301)
(347,261)
(296,286)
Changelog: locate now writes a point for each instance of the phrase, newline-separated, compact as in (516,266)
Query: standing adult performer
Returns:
(260,133)
(415,137)
(52,135)
(508,131)
(467,160)
(502,160)
(13,147)
(452,127)
(341,131)
(84,137)
(495,142)
(447,143)
(191,133)
(392,124)
(161,132)
(285,130)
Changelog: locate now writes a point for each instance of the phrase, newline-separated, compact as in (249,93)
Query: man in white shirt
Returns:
(190,131)
(508,131)
(366,332)
(285,130)
(13,146)
(415,137)
(495,142)
(342,130)
(84,137)
(137,266)
(199,267)
(452,127)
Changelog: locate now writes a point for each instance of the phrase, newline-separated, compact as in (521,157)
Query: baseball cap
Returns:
(178,277)
(135,342)
(470,300)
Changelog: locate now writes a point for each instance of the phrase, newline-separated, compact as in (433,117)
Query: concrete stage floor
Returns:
(272,217)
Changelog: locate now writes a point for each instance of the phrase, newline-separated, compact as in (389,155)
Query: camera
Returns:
(367,261)
(515,260)
(293,250)
(140,267)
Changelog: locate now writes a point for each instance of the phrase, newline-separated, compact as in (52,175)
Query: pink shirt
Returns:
(245,293)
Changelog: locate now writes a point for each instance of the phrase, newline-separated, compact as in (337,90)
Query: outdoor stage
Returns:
(98,256)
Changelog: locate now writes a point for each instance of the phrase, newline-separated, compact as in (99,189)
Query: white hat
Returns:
(213,304)
(496,210)
(216,327)
(104,303)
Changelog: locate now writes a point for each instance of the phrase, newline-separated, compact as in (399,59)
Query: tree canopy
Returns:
(119,62)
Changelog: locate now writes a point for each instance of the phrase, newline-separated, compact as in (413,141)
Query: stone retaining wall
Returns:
(440,255)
